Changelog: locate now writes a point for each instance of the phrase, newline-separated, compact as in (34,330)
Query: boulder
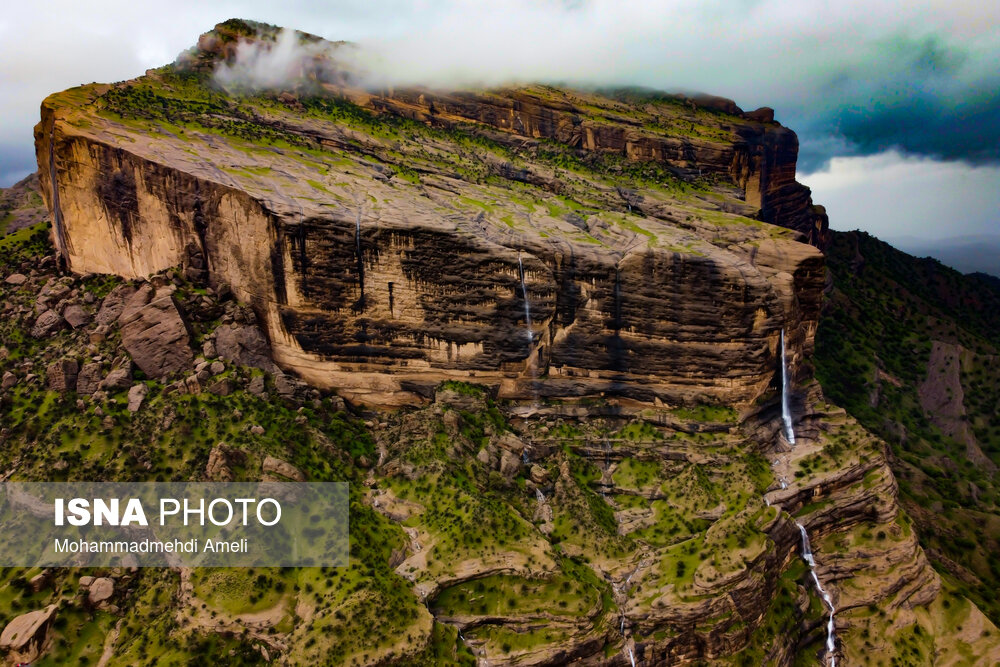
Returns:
(155,334)
(47,324)
(55,289)
(288,386)
(276,470)
(100,590)
(86,581)
(220,462)
(257,386)
(24,636)
(510,464)
(118,378)
(244,345)
(191,385)
(8,381)
(89,379)
(16,279)
(42,579)
(511,443)
(114,304)
(61,375)
(217,367)
(539,475)
(76,316)
(136,395)
(222,387)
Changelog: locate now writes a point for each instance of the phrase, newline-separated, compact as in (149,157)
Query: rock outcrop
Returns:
(154,333)
(24,637)
(633,244)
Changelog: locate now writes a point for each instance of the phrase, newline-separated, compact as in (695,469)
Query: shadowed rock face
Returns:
(378,236)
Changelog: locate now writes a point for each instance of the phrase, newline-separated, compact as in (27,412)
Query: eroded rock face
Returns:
(154,333)
(276,470)
(655,289)
(25,635)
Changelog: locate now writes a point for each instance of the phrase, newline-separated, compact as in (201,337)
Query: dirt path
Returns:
(109,643)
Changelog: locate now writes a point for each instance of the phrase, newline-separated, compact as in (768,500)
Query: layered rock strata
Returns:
(392,241)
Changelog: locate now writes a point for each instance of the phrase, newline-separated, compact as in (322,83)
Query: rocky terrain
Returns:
(21,206)
(547,335)
(921,373)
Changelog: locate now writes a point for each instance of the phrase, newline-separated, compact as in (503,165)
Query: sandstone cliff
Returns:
(392,241)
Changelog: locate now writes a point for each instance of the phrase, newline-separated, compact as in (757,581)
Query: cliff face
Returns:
(394,241)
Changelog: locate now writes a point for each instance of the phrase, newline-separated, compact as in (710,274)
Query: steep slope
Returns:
(21,205)
(476,535)
(910,348)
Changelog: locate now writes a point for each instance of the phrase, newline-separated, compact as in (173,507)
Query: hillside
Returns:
(560,343)
(909,347)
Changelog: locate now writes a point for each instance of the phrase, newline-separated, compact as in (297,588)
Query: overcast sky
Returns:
(897,105)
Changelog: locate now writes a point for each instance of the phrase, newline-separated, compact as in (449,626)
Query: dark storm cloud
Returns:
(917,96)
(852,77)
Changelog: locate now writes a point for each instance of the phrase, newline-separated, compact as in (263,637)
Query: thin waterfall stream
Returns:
(524,296)
(360,259)
(807,554)
(786,412)
(831,636)
(530,336)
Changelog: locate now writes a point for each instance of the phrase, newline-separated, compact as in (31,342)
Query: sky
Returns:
(896,104)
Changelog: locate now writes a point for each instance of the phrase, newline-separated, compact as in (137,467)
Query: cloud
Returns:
(908,200)
(275,64)
(852,77)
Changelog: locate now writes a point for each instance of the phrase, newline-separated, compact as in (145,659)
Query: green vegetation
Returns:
(873,354)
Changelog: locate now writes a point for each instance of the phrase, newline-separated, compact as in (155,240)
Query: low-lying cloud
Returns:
(281,63)
(853,78)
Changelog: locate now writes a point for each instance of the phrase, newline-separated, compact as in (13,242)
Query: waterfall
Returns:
(539,496)
(524,295)
(786,412)
(807,555)
(618,299)
(631,657)
(360,258)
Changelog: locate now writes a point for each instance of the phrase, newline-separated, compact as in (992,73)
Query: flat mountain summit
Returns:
(394,240)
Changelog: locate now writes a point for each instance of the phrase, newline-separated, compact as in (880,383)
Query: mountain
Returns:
(909,347)
(968,254)
(21,206)
(561,344)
